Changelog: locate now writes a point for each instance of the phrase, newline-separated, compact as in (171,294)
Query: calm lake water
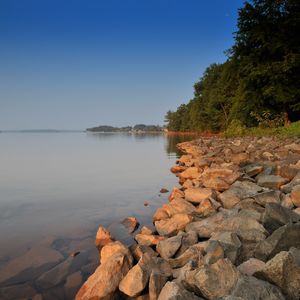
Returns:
(62,186)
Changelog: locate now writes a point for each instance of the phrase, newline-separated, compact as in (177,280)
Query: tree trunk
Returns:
(287,122)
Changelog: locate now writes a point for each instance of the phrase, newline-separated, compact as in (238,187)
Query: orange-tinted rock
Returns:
(189,173)
(196,195)
(147,239)
(103,237)
(176,193)
(177,169)
(295,195)
(131,223)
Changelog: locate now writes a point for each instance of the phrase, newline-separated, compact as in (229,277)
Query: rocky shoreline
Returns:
(231,230)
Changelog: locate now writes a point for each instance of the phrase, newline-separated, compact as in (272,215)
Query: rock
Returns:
(138,251)
(219,179)
(281,239)
(147,239)
(267,155)
(196,195)
(287,172)
(250,288)
(238,191)
(276,216)
(136,279)
(19,291)
(172,225)
(188,239)
(103,237)
(284,271)
(297,210)
(185,158)
(267,197)
(188,184)
(172,291)
(115,247)
(164,190)
(105,280)
(195,252)
(253,169)
(176,193)
(131,223)
(30,265)
(213,281)
(177,206)
(271,181)
(205,208)
(240,157)
(146,203)
(146,230)
(295,195)
(206,227)
(293,147)
(189,173)
(230,244)
(168,247)
(251,266)
(72,285)
(249,204)
(287,202)
(287,188)
(177,169)
(156,283)
(214,252)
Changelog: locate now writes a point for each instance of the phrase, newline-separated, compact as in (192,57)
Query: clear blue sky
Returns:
(76,64)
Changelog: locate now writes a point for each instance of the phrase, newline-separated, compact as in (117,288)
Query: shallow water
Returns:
(57,188)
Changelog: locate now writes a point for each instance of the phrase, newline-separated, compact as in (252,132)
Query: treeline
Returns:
(136,128)
(259,84)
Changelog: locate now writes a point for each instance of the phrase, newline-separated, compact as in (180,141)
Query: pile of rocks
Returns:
(230,231)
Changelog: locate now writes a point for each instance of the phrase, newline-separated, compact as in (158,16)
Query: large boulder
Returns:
(284,271)
(219,179)
(238,191)
(172,225)
(295,195)
(271,181)
(148,239)
(213,281)
(276,216)
(282,239)
(189,173)
(103,237)
(137,278)
(196,195)
(272,196)
(172,291)
(115,247)
(251,266)
(207,226)
(105,280)
(156,283)
(168,247)
(176,193)
(230,243)
(251,288)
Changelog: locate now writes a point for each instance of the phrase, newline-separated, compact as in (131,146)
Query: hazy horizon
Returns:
(81,64)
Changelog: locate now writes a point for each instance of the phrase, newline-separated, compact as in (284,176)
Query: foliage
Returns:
(235,128)
(267,119)
(259,83)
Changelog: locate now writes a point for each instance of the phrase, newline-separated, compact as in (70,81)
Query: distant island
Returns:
(139,128)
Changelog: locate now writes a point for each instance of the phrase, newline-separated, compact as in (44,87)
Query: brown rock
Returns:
(214,252)
(147,239)
(172,225)
(168,247)
(177,169)
(284,271)
(251,266)
(156,283)
(164,190)
(189,173)
(105,280)
(253,169)
(213,281)
(196,195)
(172,291)
(287,172)
(115,247)
(271,181)
(138,251)
(205,208)
(176,193)
(295,195)
(131,223)
(103,237)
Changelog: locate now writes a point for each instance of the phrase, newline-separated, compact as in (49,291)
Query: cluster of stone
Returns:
(231,230)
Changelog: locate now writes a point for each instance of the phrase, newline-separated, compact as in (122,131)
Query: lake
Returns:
(57,188)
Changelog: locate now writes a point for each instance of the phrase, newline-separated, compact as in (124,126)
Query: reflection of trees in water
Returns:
(173,140)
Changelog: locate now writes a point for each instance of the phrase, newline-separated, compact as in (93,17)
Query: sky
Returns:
(73,64)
